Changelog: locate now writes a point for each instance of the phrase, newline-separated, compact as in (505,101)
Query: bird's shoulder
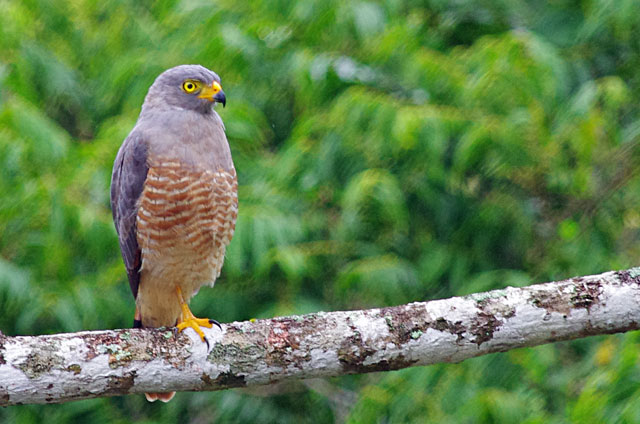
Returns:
(129,172)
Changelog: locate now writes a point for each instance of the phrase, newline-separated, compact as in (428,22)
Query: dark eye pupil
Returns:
(189,86)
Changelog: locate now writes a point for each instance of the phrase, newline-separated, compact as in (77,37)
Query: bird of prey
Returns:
(174,198)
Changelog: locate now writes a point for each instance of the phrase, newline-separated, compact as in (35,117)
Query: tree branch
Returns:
(64,367)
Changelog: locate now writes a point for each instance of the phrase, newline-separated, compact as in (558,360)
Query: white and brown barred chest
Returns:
(186,218)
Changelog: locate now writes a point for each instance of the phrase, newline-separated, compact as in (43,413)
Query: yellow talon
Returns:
(189,320)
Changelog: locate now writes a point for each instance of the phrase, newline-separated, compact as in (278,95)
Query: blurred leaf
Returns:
(387,152)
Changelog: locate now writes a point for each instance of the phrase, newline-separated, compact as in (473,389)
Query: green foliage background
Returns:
(387,153)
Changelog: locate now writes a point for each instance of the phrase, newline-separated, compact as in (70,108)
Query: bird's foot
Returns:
(195,323)
(189,320)
(213,321)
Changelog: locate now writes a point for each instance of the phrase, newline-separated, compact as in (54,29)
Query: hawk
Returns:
(174,199)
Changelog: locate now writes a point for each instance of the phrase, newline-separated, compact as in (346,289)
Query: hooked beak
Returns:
(220,98)
(213,93)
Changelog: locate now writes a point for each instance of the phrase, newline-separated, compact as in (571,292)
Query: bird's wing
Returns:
(127,181)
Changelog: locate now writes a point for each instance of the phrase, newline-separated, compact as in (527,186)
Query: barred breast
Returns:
(186,218)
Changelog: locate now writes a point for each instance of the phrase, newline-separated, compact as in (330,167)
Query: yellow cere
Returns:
(208,91)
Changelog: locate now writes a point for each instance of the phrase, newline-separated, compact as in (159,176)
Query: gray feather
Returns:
(172,124)
(127,181)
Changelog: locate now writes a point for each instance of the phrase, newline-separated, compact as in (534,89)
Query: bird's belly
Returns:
(185,220)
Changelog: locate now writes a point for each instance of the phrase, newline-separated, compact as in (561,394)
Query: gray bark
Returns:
(63,367)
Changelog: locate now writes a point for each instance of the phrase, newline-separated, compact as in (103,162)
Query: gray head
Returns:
(190,87)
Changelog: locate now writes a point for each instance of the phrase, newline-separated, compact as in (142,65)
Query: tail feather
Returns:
(151,397)
(164,397)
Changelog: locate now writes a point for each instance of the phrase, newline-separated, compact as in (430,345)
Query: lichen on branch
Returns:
(64,367)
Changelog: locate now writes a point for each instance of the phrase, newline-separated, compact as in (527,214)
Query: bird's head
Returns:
(191,87)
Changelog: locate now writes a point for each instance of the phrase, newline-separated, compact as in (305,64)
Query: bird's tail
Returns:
(151,397)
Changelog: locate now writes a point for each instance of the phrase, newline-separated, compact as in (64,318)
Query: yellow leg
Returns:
(189,320)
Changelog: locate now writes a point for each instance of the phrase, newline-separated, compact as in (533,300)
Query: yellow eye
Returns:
(189,86)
